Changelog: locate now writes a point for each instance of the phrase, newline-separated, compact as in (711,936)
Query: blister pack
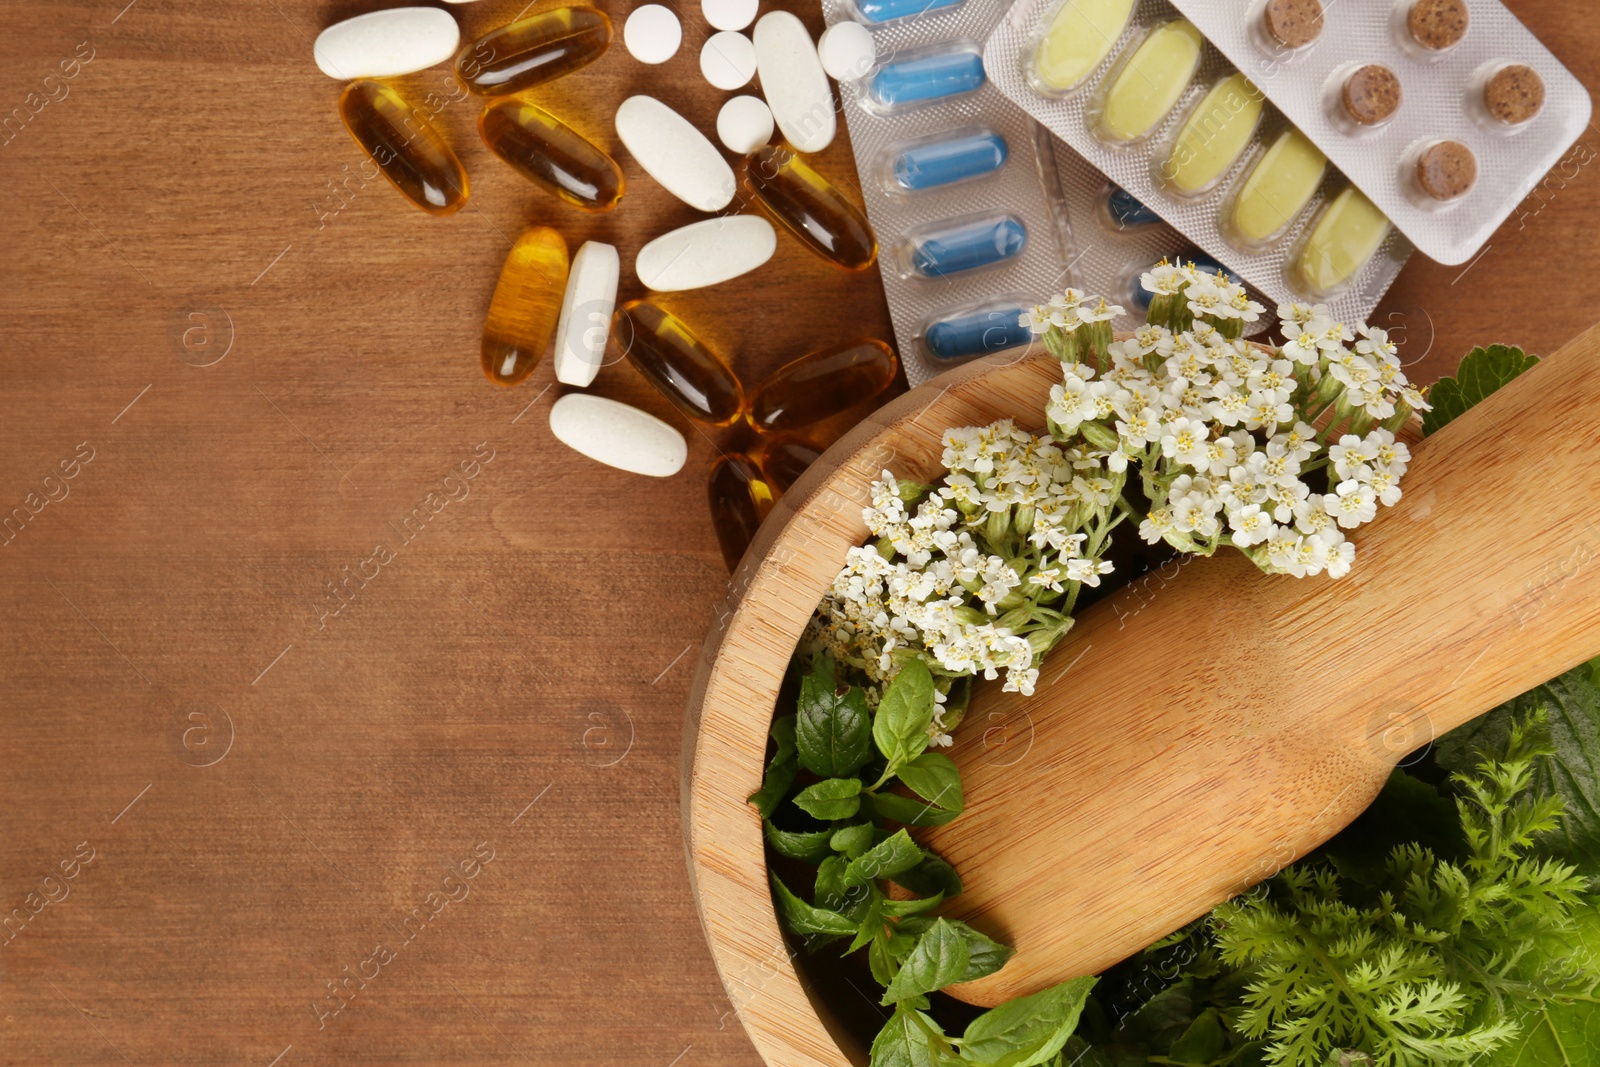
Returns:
(1137,90)
(979,212)
(1446,113)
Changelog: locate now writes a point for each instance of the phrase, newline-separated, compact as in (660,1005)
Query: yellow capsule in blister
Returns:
(525,306)
(810,207)
(551,154)
(1344,238)
(822,384)
(678,363)
(533,50)
(740,499)
(408,150)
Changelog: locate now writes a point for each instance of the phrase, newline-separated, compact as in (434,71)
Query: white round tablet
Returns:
(652,34)
(728,59)
(744,124)
(846,51)
(729,14)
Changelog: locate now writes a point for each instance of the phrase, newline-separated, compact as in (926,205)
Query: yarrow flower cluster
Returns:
(1275,451)
(977,575)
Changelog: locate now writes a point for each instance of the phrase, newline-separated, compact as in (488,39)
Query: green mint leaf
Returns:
(853,841)
(984,954)
(938,958)
(906,1041)
(912,906)
(886,859)
(832,730)
(900,728)
(780,770)
(1482,371)
(934,778)
(1203,1043)
(803,918)
(1572,707)
(810,847)
(880,960)
(831,798)
(830,891)
(932,875)
(1026,1031)
(871,927)
(909,811)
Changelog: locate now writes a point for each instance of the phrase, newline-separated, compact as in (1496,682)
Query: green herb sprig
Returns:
(858,756)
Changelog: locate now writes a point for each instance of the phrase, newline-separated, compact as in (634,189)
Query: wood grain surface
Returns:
(245,821)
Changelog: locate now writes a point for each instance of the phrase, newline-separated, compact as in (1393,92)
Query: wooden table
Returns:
(272,795)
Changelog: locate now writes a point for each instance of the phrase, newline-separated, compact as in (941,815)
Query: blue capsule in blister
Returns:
(964,246)
(928,77)
(951,159)
(1127,212)
(976,333)
(876,11)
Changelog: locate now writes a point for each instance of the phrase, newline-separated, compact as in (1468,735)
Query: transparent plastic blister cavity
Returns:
(1163,113)
(1471,114)
(979,212)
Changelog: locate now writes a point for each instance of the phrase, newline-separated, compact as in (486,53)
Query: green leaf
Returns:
(832,730)
(900,728)
(938,958)
(1561,1035)
(871,928)
(880,960)
(830,891)
(1028,1030)
(810,847)
(831,798)
(1572,706)
(886,859)
(913,906)
(932,875)
(780,770)
(934,778)
(1202,1043)
(984,954)
(909,811)
(853,841)
(905,1040)
(1482,372)
(803,918)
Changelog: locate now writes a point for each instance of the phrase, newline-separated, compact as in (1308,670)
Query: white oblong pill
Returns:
(728,60)
(618,435)
(399,40)
(674,153)
(729,14)
(793,81)
(585,321)
(744,124)
(706,253)
(846,51)
(652,34)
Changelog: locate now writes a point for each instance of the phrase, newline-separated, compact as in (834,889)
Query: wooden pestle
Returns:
(1197,732)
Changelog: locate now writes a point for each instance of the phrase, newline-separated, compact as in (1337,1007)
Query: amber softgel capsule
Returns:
(525,307)
(810,207)
(551,154)
(697,380)
(822,384)
(406,148)
(740,499)
(534,50)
